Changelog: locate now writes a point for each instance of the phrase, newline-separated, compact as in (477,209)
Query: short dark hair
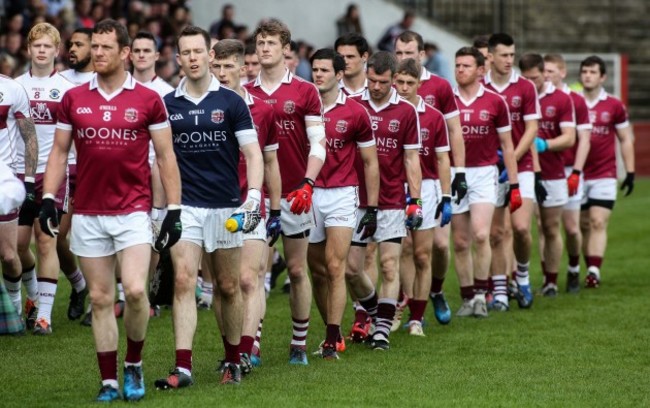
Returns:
(145,35)
(409,67)
(481,41)
(329,54)
(472,52)
(108,26)
(190,31)
(594,60)
(293,46)
(408,36)
(382,61)
(499,39)
(273,27)
(228,48)
(354,39)
(530,61)
(250,48)
(84,30)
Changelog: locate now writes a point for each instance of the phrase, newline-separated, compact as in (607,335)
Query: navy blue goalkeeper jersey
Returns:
(207,134)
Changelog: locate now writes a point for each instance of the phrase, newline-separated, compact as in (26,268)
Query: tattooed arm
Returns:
(28,132)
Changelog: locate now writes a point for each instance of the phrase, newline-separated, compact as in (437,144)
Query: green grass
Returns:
(584,350)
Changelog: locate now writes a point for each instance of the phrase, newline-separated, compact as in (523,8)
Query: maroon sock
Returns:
(370,304)
(332,334)
(551,277)
(417,309)
(480,285)
(133,351)
(246,344)
(574,260)
(467,292)
(490,285)
(436,284)
(596,261)
(232,353)
(107,365)
(184,359)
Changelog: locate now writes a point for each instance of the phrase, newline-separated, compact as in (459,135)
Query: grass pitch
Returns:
(589,349)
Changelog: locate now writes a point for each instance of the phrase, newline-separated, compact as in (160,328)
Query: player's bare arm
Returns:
(28,133)
(254,165)
(456,141)
(527,139)
(584,144)
(563,141)
(509,160)
(316,133)
(371,173)
(627,147)
(272,179)
(57,161)
(166,161)
(413,171)
(444,171)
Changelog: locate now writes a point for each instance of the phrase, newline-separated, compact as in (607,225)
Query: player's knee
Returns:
(497,236)
(248,283)
(7,254)
(183,281)
(389,265)
(99,298)
(228,286)
(135,293)
(45,244)
(597,224)
(422,259)
(481,237)
(296,270)
(520,231)
(461,244)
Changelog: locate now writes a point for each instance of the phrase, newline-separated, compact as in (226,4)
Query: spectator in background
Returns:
(350,22)
(291,58)
(387,41)
(7,65)
(481,44)
(227,18)
(435,62)
(14,46)
(303,70)
(83,9)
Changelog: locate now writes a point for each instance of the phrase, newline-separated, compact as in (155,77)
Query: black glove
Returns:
(48,217)
(29,208)
(540,190)
(170,231)
(368,223)
(628,183)
(459,186)
(273,227)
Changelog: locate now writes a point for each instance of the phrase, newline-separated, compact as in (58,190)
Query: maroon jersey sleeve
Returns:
(448,105)
(502,118)
(157,113)
(64,110)
(411,135)
(313,104)
(530,109)
(364,136)
(620,117)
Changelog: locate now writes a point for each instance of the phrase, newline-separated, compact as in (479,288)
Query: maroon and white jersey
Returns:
(582,123)
(111,134)
(353,92)
(481,120)
(14,105)
(45,94)
(347,125)
(606,114)
(434,137)
(295,102)
(557,114)
(397,128)
(437,92)
(521,96)
(76,77)
(264,122)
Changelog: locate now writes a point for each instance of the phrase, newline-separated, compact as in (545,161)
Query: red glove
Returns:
(573,181)
(301,197)
(514,196)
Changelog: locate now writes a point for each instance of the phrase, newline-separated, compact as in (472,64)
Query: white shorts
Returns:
(575,200)
(258,233)
(558,193)
(526,188)
(293,224)
(600,189)
(206,227)
(481,188)
(333,207)
(94,236)
(391,224)
(431,196)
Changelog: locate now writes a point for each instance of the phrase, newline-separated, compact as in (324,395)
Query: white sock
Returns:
(31,286)
(574,269)
(46,293)
(267,281)
(522,273)
(112,383)
(595,270)
(13,289)
(77,280)
(184,371)
(120,292)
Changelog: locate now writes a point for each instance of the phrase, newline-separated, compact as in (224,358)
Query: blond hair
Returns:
(41,29)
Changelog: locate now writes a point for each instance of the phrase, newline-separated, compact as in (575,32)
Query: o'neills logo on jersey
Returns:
(605,117)
(341,126)
(393,125)
(107,134)
(55,94)
(516,101)
(424,134)
(550,111)
(484,115)
(430,100)
(131,115)
(217,116)
(289,107)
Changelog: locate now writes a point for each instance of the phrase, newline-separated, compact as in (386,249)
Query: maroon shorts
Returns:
(12,216)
